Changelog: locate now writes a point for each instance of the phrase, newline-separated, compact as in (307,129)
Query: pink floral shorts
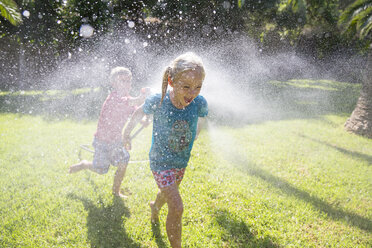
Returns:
(168,177)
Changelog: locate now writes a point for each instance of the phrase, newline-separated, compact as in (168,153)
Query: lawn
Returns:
(292,177)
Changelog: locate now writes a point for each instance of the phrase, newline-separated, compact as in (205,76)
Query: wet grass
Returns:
(290,182)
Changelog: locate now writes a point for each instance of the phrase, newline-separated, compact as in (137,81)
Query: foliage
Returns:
(52,30)
(356,19)
(9,10)
(313,12)
(42,24)
(76,13)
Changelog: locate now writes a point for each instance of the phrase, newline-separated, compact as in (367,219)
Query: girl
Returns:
(175,127)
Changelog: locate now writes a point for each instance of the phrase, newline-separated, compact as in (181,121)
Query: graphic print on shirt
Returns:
(180,136)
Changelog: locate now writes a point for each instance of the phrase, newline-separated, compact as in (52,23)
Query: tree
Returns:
(9,10)
(356,20)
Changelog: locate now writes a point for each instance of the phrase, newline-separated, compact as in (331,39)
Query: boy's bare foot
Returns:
(78,167)
(154,213)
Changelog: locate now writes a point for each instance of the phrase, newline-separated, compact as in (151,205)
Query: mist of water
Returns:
(236,71)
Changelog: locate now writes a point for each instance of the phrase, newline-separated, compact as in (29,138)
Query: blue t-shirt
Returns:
(173,131)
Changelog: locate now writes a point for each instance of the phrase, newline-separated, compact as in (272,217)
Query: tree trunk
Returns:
(360,121)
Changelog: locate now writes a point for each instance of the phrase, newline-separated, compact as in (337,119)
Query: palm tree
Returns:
(357,21)
(9,10)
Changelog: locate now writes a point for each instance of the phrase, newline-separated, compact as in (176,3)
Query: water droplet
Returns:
(26,13)
(131,24)
(86,30)
(226,5)
(145,44)
(126,41)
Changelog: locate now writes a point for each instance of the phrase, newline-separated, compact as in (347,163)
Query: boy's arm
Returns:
(201,125)
(141,98)
(136,101)
(134,120)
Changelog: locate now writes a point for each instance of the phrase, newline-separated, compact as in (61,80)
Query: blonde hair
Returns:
(119,71)
(184,62)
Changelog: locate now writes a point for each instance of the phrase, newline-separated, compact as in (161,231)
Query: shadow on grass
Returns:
(237,233)
(105,223)
(332,212)
(159,239)
(357,155)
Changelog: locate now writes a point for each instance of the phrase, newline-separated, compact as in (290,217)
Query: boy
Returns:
(108,146)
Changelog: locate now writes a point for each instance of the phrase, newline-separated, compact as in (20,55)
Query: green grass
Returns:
(295,181)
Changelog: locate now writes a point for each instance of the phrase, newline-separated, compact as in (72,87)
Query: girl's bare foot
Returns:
(154,213)
(120,195)
(78,167)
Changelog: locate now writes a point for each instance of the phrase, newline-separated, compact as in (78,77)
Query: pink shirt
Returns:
(114,114)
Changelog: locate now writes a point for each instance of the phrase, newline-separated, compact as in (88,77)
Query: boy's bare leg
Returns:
(83,165)
(118,178)
(174,218)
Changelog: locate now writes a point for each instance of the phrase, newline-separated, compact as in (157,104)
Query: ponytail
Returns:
(164,85)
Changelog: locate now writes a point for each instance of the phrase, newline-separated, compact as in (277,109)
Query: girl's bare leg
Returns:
(83,165)
(156,206)
(174,218)
(118,178)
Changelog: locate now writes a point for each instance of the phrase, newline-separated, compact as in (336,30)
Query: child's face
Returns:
(186,87)
(122,83)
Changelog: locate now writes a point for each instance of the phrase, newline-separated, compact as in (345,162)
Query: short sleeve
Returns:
(202,106)
(151,103)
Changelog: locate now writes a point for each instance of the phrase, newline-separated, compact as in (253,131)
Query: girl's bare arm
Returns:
(134,120)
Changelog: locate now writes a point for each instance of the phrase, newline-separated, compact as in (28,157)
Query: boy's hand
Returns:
(145,92)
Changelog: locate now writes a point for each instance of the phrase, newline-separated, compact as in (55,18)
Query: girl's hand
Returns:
(127,142)
(145,121)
